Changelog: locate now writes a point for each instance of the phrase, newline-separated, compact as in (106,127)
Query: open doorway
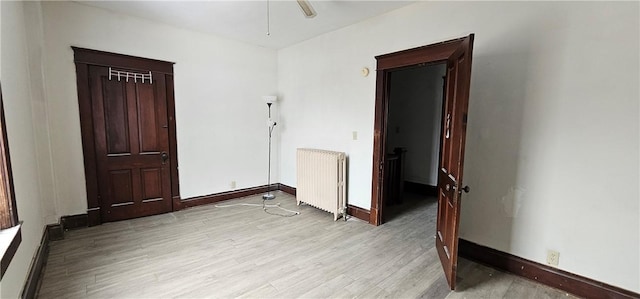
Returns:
(413,139)
(457,54)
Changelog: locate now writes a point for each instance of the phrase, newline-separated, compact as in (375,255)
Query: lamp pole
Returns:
(272,124)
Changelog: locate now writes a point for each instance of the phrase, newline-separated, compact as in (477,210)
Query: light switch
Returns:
(355,135)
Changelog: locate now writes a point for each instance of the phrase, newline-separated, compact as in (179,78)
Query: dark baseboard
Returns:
(74,221)
(84,220)
(575,284)
(354,211)
(422,189)
(37,265)
(211,198)
(93,217)
(287,189)
(55,231)
(358,212)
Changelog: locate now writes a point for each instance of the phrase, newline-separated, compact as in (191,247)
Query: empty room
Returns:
(319,149)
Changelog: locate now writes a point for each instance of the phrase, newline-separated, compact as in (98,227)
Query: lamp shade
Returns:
(270,99)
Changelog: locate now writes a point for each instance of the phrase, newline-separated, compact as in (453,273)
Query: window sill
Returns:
(10,238)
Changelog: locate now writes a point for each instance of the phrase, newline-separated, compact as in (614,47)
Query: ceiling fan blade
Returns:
(307,9)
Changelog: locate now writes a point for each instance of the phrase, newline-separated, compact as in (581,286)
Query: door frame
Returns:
(84,58)
(429,54)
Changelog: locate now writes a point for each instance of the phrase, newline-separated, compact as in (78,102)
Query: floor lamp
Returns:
(271,124)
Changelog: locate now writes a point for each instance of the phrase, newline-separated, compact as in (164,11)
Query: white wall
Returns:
(415,111)
(553,140)
(219,109)
(219,84)
(22,104)
(35,42)
(553,137)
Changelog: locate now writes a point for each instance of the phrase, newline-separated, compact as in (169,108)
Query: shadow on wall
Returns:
(496,105)
(415,108)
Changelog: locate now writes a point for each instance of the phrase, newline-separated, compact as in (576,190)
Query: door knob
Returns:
(466,189)
(164,157)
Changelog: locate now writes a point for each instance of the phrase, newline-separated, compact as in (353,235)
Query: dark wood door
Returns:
(130,126)
(454,128)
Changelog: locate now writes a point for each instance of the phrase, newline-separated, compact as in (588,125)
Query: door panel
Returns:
(121,184)
(115,114)
(151,179)
(452,158)
(131,135)
(147,123)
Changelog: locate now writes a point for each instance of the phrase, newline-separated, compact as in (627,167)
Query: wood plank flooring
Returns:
(242,251)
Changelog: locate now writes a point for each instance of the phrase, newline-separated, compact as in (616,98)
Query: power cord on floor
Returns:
(264,208)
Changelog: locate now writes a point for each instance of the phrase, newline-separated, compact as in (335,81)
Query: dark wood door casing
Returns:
(452,51)
(105,154)
(386,64)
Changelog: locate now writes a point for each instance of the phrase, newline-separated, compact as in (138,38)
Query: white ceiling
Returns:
(247,20)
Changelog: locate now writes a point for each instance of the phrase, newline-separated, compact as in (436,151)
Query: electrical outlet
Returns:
(553,257)
(233,184)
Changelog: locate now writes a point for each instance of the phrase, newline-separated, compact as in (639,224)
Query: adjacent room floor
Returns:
(241,251)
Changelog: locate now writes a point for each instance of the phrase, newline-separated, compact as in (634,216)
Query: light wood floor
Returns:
(242,251)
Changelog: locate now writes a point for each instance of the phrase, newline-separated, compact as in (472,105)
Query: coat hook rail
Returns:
(126,75)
